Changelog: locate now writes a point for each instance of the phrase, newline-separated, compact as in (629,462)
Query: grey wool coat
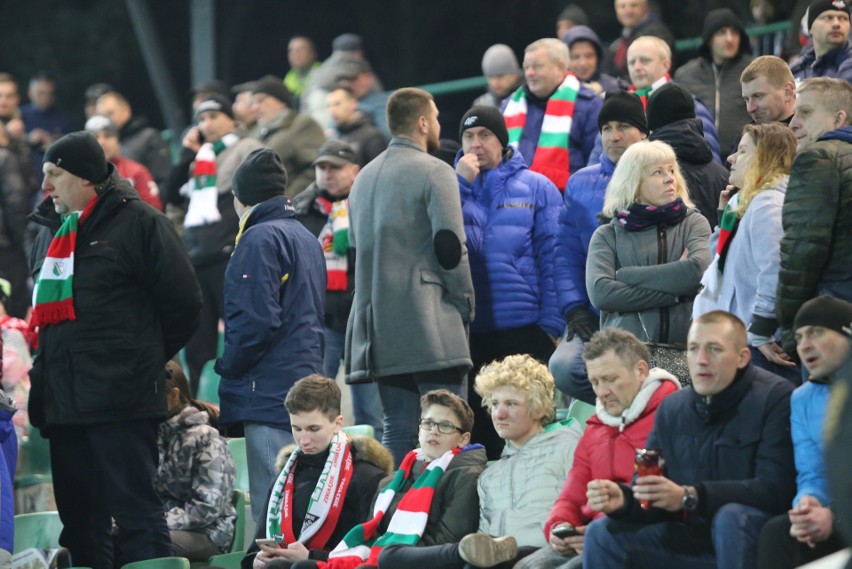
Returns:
(409,313)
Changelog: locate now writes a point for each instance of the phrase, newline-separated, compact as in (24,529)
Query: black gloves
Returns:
(582,322)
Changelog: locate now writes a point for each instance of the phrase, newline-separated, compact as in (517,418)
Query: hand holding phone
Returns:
(268,542)
(564,531)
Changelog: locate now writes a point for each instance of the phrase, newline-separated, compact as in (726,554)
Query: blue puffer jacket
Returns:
(8,464)
(273,331)
(510,220)
(577,222)
(836,63)
(807,420)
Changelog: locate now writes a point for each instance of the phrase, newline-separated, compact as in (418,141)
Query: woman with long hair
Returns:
(743,276)
(644,266)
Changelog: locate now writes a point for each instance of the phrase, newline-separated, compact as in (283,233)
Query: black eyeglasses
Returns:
(444,427)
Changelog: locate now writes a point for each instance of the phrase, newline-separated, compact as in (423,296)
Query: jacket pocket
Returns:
(736,453)
(96,268)
(105,380)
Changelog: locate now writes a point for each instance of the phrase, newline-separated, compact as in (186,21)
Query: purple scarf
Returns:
(640,216)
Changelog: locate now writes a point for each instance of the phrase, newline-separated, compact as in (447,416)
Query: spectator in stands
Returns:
(115,288)
(637,19)
(211,223)
(622,123)
(302,57)
(713,76)
(244,112)
(809,530)
(829,53)
(195,479)
(17,363)
(572,15)
(649,60)
(323,208)
(409,338)
(560,145)
(510,221)
(138,175)
(274,301)
(743,277)
(13,135)
(816,250)
(504,75)
(15,205)
(586,58)
(354,126)
(313,405)
(628,394)
(93,93)
(644,266)
(356,74)
(728,465)
(294,136)
(514,498)
(671,118)
(139,140)
(8,322)
(769,92)
(44,123)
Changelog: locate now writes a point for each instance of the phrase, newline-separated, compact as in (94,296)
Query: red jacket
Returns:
(604,452)
(141,180)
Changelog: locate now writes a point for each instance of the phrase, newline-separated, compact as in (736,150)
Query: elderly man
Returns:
(728,465)
(816,250)
(551,119)
(637,20)
(808,531)
(115,298)
(829,53)
(622,122)
(510,221)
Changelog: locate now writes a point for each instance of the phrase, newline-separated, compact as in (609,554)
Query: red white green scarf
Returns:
(326,501)
(334,238)
(53,294)
(727,229)
(551,155)
(204,195)
(361,544)
(645,92)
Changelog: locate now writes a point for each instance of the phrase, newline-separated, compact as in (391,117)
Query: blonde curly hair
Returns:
(524,373)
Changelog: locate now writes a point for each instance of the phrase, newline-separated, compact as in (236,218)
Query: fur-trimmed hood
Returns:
(364,449)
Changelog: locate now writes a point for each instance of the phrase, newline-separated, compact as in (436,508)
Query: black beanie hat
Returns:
(825,311)
(717,19)
(80,154)
(260,177)
(820,6)
(274,87)
(668,104)
(490,118)
(215,102)
(624,107)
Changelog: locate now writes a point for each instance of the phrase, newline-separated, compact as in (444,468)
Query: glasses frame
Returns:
(426,425)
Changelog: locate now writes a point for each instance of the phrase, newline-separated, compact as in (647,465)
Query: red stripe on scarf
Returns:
(337,280)
(54,312)
(516,121)
(544,161)
(560,107)
(62,246)
(419,499)
(204,168)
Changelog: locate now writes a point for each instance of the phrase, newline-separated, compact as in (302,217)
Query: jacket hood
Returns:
(686,137)
(657,378)
(715,21)
(187,418)
(844,134)
(364,449)
(546,437)
(584,33)
(279,207)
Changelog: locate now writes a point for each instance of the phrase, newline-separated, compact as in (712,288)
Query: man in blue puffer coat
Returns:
(510,220)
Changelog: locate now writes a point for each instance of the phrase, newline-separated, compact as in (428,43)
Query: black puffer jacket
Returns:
(137,302)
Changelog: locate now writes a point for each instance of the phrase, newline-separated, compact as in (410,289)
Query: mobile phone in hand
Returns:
(564,531)
(268,542)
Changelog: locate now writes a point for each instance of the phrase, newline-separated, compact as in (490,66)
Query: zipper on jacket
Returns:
(717,72)
(662,253)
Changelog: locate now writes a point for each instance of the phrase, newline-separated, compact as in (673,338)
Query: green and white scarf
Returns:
(204,195)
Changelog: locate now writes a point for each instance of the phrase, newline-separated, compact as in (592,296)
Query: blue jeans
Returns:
(400,396)
(730,542)
(569,370)
(790,373)
(262,445)
(366,404)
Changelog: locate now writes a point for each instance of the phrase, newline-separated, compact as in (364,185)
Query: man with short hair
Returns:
(323,208)
(413,292)
(356,74)
(714,76)
(274,301)
(354,126)
(115,298)
(554,137)
(816,250)
(637,19)
(302,57)
(829,53)
(105,131)
(728,465)
(808,531)
(769,92)
(504,75)
(294,136)
(139,140)
(622,122)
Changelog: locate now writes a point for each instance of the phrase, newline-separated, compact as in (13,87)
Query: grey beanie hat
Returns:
(499,59)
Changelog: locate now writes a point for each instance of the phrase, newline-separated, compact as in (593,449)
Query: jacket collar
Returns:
(709,408)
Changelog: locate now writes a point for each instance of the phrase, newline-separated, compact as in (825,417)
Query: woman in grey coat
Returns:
(645,265)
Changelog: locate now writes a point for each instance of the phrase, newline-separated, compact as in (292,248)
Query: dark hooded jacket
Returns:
(651,25)
(362,135)
(604,82)
(143,143)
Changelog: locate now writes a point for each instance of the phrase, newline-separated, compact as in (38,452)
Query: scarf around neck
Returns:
(334,238)
(53,293)
(656,377)
(640,216)
(203,206)
(552,157)
(645,92)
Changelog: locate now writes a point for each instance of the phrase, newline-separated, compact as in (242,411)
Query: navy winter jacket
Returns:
(836,63)
(510,220)
(274,304)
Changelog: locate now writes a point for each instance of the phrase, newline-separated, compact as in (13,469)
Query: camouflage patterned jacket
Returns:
(196,477)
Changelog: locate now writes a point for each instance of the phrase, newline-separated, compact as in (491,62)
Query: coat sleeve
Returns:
(678,278)
(584,129)
(703,114)
(157,157)
(570,255)
(810,465)
(484,522)
(568,506)
(766,233)
(545,230)
(605,290)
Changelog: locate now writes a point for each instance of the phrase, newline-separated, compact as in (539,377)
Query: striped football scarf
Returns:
(551,155)
(53,294)
(361,545)
(203,206)
(334,238)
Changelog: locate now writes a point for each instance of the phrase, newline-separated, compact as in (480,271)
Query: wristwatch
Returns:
(690,498)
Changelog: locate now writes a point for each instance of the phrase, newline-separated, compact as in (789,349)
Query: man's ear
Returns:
(840,119)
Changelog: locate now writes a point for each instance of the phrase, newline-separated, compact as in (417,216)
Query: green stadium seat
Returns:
(40,530)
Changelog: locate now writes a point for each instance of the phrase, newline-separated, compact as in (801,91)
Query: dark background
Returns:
(409,42)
